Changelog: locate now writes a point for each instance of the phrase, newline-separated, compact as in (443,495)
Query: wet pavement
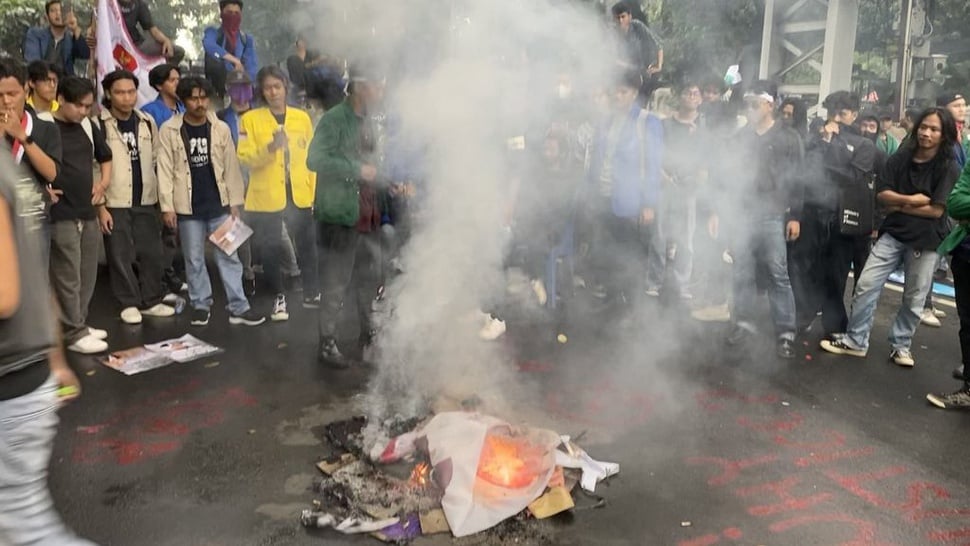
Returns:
(716,446)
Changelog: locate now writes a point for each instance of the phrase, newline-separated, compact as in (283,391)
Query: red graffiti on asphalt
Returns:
(814,488)
(157,425)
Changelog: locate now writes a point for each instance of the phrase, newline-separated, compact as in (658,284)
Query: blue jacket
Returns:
(636,183)
(160,111)
(245,50)
(38,39)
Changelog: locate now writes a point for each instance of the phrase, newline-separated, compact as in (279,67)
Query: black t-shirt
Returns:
(935,179)
(48,139)
(76,178)
(129,135)
(206,203)
(136,13)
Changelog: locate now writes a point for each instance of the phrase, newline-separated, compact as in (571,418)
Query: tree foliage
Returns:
(16,16)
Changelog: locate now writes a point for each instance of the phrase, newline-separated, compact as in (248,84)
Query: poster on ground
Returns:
(157,355)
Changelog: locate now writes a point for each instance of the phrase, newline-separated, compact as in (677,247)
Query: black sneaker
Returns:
(786,348)
(200,317)
(330,355)
(838,346)
(958,373)
(249,318)
(953,401)
(249,287)
(738,335)
(312,302)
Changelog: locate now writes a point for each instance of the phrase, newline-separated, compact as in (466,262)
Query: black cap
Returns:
(224,3)
(947,98)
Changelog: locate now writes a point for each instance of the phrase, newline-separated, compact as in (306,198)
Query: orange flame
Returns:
(419,475)
(509,462)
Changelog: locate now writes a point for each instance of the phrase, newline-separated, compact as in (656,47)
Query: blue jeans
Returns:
(672,242)
(762,241)
(193,234)
(885,257)
(28,424)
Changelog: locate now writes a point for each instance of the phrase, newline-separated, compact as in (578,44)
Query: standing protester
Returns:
(886,142)
(74,224)
(624,190)
(273,143)
(640,49)
(136,13)
(59,43)
(957,245)
(164,78)
(200,185)
(130,218)
(33,142)
(795,116)
(346,206)
(43,79)
(33,369)
(837,220)
(914,188)
(228,48)
(768,203)
(956,104)
(240,91)
(684,170)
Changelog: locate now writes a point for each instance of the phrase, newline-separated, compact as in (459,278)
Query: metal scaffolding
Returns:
(807,46)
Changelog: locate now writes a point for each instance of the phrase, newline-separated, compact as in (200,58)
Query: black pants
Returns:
(347,258)
(819,267)
(135,241)
(267,227)
(617,251)
(960,266)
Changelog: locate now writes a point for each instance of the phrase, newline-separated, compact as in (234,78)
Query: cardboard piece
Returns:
(555,500)
(434,522)
(329,468)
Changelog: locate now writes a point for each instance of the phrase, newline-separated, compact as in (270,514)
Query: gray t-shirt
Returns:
(27,336)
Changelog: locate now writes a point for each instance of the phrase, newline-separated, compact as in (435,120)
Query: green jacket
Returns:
(958,207)
(887,143)
(336,157)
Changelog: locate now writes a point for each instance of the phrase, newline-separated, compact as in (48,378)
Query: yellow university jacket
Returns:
(267,171)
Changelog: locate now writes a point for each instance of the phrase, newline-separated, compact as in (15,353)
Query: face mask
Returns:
(564,91)
(231,21)
(241,93)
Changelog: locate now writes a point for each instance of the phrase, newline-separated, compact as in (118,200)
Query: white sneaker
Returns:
(279,309)
(929,318)
(939,313)
(653,292)
(903,357)
(88,345)
(131,315)
(170,298)
(540,291)
(493,329)
(184,287)
(159,310)
(97,334)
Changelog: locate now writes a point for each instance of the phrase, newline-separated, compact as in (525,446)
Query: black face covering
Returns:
(871,136)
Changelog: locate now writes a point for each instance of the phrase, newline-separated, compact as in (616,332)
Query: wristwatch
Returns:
(28,141)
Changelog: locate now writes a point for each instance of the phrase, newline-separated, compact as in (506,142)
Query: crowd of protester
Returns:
(712,200)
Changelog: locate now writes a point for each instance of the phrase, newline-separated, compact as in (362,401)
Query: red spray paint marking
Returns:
(865,531)
(156,426)
(816,459)
(730,470)
(912,506)
(772,425)
(781,490)
(731,533)
(950,536)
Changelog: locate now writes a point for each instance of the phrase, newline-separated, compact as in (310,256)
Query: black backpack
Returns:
(215,69)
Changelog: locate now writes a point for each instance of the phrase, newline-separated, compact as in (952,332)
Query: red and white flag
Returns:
(116,50)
